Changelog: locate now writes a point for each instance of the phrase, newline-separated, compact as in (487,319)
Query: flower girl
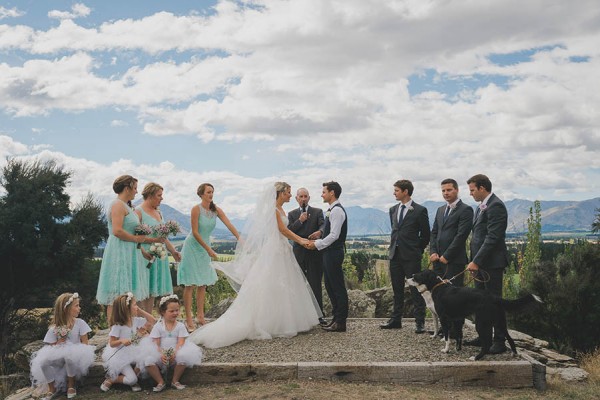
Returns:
(170,334)
(127,343)
(66,355)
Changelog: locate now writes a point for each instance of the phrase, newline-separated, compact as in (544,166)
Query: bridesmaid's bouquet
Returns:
(168,354)
(156,250)
(168,228)
(61,333)
(142,229)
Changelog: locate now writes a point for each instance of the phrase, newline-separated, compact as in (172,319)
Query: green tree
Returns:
(45,245)
(533,247)
(363,261)
(596,223)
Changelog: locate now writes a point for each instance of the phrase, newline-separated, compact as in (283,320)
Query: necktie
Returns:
(401,216)
(446,213)
(477,213)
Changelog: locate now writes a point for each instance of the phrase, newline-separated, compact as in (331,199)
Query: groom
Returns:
(332,246)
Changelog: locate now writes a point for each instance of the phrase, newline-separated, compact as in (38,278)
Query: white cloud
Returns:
(10,12)
(78,10)
(337,75)
(118,122)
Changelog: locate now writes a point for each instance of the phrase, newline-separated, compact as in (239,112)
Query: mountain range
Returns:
(557,216)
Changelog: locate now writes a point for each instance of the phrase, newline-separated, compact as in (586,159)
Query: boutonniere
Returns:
(328,213)
(482,207)
(410,208)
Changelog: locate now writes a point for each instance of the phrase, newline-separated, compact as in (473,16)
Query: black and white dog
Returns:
(426,294)
(452,304)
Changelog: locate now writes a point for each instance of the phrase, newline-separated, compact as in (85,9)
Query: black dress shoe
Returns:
(336,327)
(497,348)
(420,327)
(472,342)
(324,322)
(391,324)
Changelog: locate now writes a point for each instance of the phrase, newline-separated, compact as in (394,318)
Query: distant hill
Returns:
(557,216)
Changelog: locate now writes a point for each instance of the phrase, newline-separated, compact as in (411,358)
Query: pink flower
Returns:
(482,206)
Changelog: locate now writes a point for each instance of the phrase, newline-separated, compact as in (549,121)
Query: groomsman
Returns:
(308,222)
(410,236)
(333,247)
(489,256)
(451,228)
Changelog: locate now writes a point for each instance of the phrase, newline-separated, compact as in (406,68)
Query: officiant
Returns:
(308,222)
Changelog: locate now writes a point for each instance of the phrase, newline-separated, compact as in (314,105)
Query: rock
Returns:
(100,340)
(23,355)
(22,394)
(384,301)
(219,309)
(552,355)
(360,305)
(568,374)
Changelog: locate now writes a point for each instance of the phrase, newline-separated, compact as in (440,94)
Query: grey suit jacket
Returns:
(315,222)
(448,238)
(488,245)
(411,236)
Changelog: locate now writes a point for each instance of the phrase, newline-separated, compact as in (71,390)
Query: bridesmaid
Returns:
(195,269)
(160,280)
(122,260)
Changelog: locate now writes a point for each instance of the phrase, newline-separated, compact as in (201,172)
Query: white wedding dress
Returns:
(274,299)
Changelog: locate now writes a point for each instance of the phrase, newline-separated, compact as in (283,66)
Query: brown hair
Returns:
(162,308)
(481,180)
(405,184)
(450,181)
(151,189)
(121,312)
(122,182)
(332,185)
(200,192)
(61,313)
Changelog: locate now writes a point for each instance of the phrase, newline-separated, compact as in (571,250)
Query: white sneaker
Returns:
(136,388)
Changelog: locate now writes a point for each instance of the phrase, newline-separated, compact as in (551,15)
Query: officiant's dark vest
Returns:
(340,243)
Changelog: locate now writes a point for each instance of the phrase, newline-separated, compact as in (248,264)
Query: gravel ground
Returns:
(363,342)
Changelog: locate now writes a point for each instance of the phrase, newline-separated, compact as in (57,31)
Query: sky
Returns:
(363,92)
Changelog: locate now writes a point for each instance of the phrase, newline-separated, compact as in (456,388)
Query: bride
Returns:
(274,299)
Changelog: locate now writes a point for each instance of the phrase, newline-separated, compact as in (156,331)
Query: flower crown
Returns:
(129,297)
(167,298)
(74,296)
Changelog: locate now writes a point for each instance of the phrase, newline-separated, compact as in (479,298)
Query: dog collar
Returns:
(445,281)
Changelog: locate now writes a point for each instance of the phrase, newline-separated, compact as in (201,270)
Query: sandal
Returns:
(200,323)
(49,395)
(177,385)
(159,388)
(105,387)
(71,393)
(189,329)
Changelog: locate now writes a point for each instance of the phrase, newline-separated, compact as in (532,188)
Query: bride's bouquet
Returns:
(156,250)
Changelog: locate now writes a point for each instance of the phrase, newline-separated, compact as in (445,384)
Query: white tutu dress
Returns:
(274,299)
(189,354)
(115,359)
(54,362)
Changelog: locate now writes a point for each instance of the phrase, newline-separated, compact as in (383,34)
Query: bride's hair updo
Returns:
(281,187)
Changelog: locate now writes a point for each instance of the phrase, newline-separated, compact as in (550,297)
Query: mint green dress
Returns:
(160,274)
(195,268)
(121,262)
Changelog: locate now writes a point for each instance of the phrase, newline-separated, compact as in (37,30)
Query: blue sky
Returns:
(363,92)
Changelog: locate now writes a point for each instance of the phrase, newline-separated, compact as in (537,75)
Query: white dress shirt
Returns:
(407,206)
(337,216)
